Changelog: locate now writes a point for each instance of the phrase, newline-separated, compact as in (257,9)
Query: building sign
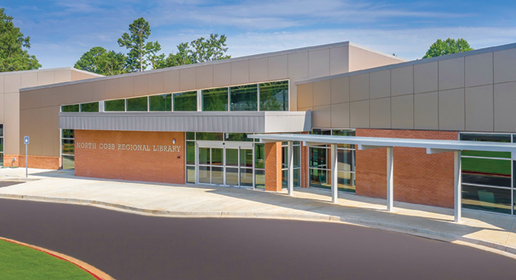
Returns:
(129,147)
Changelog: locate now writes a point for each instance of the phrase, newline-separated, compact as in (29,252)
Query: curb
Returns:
(479,244)
(93,271)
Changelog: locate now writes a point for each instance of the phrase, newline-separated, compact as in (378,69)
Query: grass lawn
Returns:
(20,262)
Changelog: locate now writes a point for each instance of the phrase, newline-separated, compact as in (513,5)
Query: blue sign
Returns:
(26,140)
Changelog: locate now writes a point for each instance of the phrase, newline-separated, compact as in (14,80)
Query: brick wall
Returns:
(418,177)
(34,161)
(108,160)
(273,174)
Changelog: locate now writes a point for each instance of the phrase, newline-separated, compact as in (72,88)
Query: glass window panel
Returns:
(284,157)
(346,181)
(1,130)
(244,98)
(204,155)
(190,136)
(216,156)
(190,152)
(2,145)
(485,198)
(215,99)
(318,157)
(487,154)
(238,137)
(68,133)
(259,179)
(246,158)
(210,136)
(297,177)
(114,105)
(297,156)
(345,160)
(160,102)
(68,162)
(320,178)
(137,104)
(1,159)
(204,174)
(185,101)
(259,155)
(486,171)
(190,174)
(217,175)
(274,96)
(318,131)
(284,179)
(246,177)
(90,107)
(68,146)
(70,108)
(485,137)
(232,176)
(231,157)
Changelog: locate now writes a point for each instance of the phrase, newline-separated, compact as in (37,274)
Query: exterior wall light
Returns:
(173,141)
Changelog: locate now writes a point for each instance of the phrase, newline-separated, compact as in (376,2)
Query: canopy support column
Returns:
(458,186)
(390,179)
(334,174)
(290,168)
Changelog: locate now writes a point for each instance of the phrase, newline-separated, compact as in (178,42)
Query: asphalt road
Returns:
(129,246)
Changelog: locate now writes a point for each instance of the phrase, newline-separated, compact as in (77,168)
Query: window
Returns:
(137,104)
(244,98)
(90,107)
(274,96)
(114,105)
(215,99)
(487,177)
(70,108)
(320,162)
(297,163)
(68,148)
(185,101)
(160,102)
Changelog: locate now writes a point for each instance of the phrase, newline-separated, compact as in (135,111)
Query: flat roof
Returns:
(366,142)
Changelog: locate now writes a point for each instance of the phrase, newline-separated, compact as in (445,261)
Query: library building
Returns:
(439,131)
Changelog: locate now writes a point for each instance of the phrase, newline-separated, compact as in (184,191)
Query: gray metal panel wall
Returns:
(249,122)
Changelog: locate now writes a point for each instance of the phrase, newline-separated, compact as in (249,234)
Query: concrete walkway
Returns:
(488,231)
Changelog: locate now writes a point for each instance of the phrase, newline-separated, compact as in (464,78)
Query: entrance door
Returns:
(225,163)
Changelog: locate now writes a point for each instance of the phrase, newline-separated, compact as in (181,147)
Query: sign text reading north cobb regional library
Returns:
(129,147)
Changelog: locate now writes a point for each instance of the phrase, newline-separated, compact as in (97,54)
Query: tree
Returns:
(140,52)
(449,46)
(199,50)
(99,60)
(13,57)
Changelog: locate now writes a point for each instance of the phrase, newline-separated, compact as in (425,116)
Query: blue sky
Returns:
(61,31)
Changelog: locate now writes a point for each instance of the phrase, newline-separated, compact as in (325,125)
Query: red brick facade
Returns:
(273,174)
(418,177)
(34,161)
(130,155)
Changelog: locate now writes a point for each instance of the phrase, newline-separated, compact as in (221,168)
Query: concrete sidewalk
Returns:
(488,231)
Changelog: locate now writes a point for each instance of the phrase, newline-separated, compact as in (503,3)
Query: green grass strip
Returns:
(21,262)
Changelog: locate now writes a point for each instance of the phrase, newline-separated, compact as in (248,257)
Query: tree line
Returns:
(141,54)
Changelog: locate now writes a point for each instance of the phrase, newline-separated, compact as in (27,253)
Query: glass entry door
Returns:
(229,164)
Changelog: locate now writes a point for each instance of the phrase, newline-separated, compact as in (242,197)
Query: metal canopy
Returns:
(365,143)
(225,122)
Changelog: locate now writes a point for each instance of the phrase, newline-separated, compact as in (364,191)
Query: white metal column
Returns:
(290,168)
(458,186)
(334,174)
(390,179)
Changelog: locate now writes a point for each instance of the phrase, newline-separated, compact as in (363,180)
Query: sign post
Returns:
(26,142)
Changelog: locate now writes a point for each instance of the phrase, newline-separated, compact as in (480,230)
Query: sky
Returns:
(61,31)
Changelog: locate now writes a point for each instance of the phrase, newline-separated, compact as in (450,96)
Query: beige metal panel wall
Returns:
(473,91)
(361,58)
